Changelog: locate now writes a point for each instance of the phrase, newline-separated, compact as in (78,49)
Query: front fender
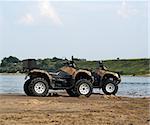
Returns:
(112,75)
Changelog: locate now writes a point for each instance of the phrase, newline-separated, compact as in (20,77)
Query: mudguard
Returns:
(41,72)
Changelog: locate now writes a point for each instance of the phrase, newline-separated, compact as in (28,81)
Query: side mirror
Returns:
(72,58)
(100,63)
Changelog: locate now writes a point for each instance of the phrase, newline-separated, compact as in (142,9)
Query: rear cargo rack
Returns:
(29,64)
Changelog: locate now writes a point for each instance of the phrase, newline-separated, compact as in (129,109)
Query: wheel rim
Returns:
(110,87)
(84,88)
(39,87)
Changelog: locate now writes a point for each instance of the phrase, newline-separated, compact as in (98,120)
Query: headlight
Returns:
(117,75)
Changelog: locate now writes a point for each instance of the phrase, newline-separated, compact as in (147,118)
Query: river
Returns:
(130,86)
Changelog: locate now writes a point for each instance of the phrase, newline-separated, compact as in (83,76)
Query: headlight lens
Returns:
(117,75)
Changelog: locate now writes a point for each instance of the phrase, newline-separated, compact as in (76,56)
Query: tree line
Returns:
(12,64)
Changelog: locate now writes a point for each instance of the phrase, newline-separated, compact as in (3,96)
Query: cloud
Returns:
(27,19)
(125,11)
(47,10)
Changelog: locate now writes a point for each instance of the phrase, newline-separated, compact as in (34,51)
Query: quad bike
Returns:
(75,82)
(105,79)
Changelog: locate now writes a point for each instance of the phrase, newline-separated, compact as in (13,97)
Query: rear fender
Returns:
(40,73)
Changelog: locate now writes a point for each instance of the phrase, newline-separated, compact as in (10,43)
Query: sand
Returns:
(65,110)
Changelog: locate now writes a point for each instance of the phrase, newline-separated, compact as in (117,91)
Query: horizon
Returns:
(21,59)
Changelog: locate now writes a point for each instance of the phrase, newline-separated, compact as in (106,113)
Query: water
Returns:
(11,83)
(130,86)
(135,86)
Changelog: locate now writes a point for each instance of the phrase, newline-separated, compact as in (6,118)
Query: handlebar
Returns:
(70,63)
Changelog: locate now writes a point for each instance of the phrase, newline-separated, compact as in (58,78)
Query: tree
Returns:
(56,59)
(9,60)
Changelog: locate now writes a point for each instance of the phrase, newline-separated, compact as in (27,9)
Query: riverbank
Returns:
(65,110)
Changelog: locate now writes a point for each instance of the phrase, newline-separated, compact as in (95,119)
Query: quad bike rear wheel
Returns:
(26,87)
(84,87)
(110,88)
(39,87)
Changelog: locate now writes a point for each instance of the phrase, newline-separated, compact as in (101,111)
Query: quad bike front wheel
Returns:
(110,88)
(84,87)
(39,87)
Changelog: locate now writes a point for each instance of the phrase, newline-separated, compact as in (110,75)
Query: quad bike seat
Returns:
(60,75)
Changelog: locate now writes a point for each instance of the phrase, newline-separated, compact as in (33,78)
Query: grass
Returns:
(126,67)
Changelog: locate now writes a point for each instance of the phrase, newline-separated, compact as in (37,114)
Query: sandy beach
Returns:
(65,110)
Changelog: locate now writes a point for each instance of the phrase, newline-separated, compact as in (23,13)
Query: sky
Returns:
(85,29)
